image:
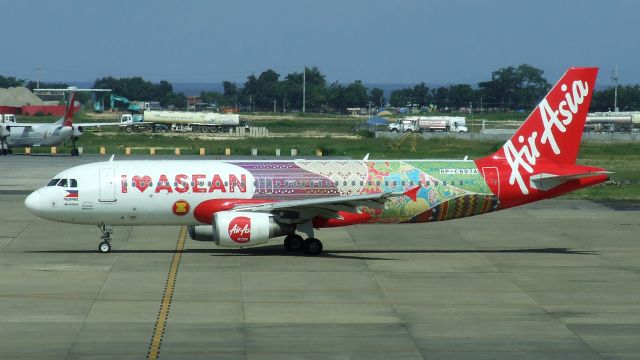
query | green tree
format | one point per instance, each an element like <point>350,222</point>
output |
<point>377,97</point>
<point>418,95</point>
<point>7,82</point>
<point>521,87</point>
<point>628,99</point>
<point>262,90</point>
<point>316,95</point>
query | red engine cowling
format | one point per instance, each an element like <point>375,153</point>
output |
<point>240,229</point>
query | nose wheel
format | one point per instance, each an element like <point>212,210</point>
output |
<point>105,246</point>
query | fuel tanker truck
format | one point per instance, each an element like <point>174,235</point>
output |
<point>180,121</point>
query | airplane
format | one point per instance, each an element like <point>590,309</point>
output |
<point>14,134</point>
<point>245,203</point>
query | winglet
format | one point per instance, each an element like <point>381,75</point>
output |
<point>366,157</point>
<point>413,193</point>
<point>111,158</point>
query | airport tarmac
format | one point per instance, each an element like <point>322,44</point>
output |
<point>559,279</point>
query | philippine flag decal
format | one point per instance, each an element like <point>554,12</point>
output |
<point>71,195</point>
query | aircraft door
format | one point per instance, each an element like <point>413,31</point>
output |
<point>268,185</point>
<point>107,185</point>
<point>492,178</point>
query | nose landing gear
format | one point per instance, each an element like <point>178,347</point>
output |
<point>105,246</point>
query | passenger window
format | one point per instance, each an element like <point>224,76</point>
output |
<point>62,183</point>
<point>378,183</point>
<point>53,182</point>
<point>444,183</point>
<point>428,183</point>
<point>403,182</point>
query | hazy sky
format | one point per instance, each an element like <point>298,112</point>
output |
<point>376,41</point>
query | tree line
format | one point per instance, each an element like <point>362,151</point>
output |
<point>510,88</point>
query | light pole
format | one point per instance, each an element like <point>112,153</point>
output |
<point>614,77</point>
<point>304,89</point>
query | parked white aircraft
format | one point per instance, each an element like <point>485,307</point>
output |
<point>14,134</point>
<point>245,203</point>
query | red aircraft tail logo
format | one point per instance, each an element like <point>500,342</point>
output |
<point>240,229</point>
<point>551,134</point>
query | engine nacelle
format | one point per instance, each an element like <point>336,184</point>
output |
<point>240,229</point>
<point>77,130</point>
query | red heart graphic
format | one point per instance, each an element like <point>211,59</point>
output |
<point>142,182</point>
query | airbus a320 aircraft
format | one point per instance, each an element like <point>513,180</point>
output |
<point>246,203</point>
<point>14,134</point>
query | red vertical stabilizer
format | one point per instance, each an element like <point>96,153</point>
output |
<point>547,143</point>
<point>68,114</point>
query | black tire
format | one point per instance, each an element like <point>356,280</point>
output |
<point>128,129</point>
<point>394,130</point>
<point>104,247</point>
<point>312,246</point>
<point>293,242</point>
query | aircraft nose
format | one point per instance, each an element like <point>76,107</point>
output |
<point>33,202</point>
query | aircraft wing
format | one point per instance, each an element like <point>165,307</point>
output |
<point>18,126</point>
<point>5,130</point>
<point>327,207</point>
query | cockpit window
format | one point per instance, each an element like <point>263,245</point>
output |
<point>53,182</point>
<point>62,183</point>
<point>73,183</point>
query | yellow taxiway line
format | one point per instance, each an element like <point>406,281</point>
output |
<point>167,297</point>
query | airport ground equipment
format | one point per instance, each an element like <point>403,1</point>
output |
<point>430,124</point>
<point>180,121</point>
<point>612,121</point>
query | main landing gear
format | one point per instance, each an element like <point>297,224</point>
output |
<point>74,150</point>
<point>105,245</point>
<point>310,246</point>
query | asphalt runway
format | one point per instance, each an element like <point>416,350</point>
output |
<point>559,279</point>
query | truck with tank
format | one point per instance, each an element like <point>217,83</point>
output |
<point>612,122</point>
<point>180,121</point>
<point>430,124</point>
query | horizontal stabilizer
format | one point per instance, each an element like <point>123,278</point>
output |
<point>546,182</point>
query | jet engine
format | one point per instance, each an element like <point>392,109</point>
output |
<point>77,131</point>
<point>240,229</point>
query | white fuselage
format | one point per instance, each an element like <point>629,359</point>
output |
<point>36,134</point>
<point>139,192</point>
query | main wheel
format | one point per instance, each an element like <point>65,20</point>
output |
<point>104,247</point>
<point>312,246</point>
<point>293,242</point>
